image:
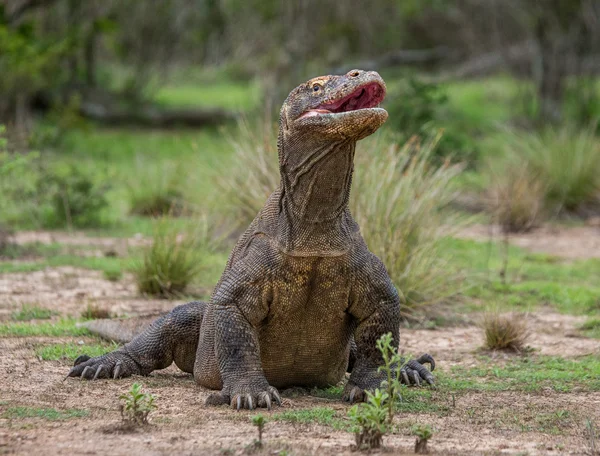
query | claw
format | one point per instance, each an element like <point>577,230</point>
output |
<point>276,396</point>
<point>239,402</point>
<point>249,402</point>
<point>352,394</point>
<point>81,359</point>
<point>117,371</point>
<point>427,358</point>
<point>98,371</point>
<point>268,401</point>
<point>405,376</point>
<point>417,378</point>
<point>84,373</point>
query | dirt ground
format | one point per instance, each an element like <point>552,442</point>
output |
<point>478,423</point>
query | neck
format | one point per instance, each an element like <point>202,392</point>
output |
<point>316,177</point>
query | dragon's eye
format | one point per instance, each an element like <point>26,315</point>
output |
<point>316,87</point>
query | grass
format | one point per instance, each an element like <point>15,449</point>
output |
<point>62,327</point>
<point>30,312</point>
<point>504,331</point>
<point>324,416</point>
<point>69,351</point>
<point>173,260</point>
<point>49,414</point>
<point>591,328</point>
<point>532,280</point>
<point>571,180</point>
<point>397,200</point>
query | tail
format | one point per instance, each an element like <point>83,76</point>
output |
<point>118,330</point>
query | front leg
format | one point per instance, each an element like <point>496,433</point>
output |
<point>240,305</point>
<point>376,307</point>
<point>238,355</point>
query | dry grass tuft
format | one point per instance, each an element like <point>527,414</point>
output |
<point>254,173</point>
<point>398,200</point>
<point>174,259</point>
<point>516,197</point>
<point>504,331</point>
<point>94,312</point>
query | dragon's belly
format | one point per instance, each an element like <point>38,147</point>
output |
<point>305,339</point>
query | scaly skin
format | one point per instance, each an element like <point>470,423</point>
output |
<point>301,298</point>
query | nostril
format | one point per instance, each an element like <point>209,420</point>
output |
<point>354,73</point>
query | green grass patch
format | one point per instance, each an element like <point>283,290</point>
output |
<point>70,351</point>
<point>49,414</point>
<point>591,328</point>
<point>331,392</point>
<point>531,279</point>
<point>62,327</point>
<point>319,415</point>
<point>29,312</point>
<point>527,374</point>
<point>239,96</point>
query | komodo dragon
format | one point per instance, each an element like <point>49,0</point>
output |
<point>302,300</point>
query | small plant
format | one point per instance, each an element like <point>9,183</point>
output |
<point>374,418</point>
<point>137,405</point>
<point>504,332</point>
<point>173,259</point>
<point>423,432</point>
<point>259,421</point>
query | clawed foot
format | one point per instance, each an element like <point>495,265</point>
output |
<point>414,373</point>
<point>411,373</point>
<point>246,398</point>
<point>107,366</point>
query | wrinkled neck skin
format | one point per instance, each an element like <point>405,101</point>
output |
<point>316,176</point>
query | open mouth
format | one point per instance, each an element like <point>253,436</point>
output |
<point>364,97</point>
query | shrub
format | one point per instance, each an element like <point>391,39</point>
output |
<point>516,197</point>
<point>156,190</point>
<point>566,161</point>
<point>173,259</point>
<point>398,200</point>
<point>504,332</point>
<point>137,405</point>
<point>259,421</point>
<point>415,107</point>
<point>49,195</point>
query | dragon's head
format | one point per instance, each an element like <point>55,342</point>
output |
<point>336,107</point>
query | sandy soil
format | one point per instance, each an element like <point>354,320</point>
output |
<point>572,242</point>
<point>478,423</point>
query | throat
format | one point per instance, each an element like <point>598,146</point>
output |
<point>315,190</point>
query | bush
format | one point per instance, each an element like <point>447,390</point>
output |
<point>398,200</point>
<point>156,190</point>
<point>516,197</point>
<point>415,108</point>
<point>51,196</point>
<point>567,163</point>
<point>173,259</point>
<point>504,332</point>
